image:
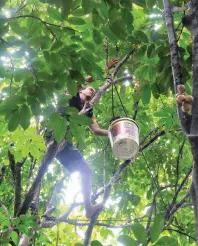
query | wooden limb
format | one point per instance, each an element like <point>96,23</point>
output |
<point>120,64</point>
<point>175,62</point>
<point>2,172</point>
<point>48,157</point>
<point>16,174</point>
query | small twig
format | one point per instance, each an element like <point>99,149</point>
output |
<point>180,232</point>
<point>178,161</point>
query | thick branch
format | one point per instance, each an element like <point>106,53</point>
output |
<point>2,172</point>
<point>49,156</point>
<point>176,68</point>
<point>16,174</point>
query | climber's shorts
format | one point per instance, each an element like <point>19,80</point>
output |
<point>71,158</point>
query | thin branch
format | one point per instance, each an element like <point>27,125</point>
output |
<point>178,161</point>
<point>180,232</point>
<point>124,78</point>
<point>153,205</point>
<point>153,139</point>
<point>181,9</point>
<point>135,107</point>
<point>120,64</point>
<point>173,206</point>
<point>37,18</point>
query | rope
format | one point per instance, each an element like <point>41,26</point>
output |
<point>113,85</point>
<point>125,111</point>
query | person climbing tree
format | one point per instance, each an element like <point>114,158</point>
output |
<point>70,157</point>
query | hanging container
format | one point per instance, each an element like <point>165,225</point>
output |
<point>124,138</point>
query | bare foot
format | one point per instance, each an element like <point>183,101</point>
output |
<point>93,210</point>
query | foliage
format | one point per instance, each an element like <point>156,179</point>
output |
<point>47,47</point>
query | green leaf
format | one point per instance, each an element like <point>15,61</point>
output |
<point>76,21</point>
<point>56,45</point>
<point>96,18</point>
<point>118,29</point>
<point>147,95</point>
<point>150,3</point>
<point>71,111</point>
<point>79,244</point>
<point>150,50</point>
<point>109,34</point>
<point>34,151</point>
<point>25,116</point>
<point>102,10</point>
<point>14,236</point>
<point>58,124</point>
<point>135,200</point>
<point>167,241</point>
<point>87,66</point>
<point>72,87</point>
<point>35,105</point>
<point>139,233</point>
<point>141,36</point>
<point>96,243</point>
<point>60,130</point>
<point>97,37</point>
<point>66,8</point>
<point>13,121</point>
<point>77,132</point>
<point>157,227</point>
<point>89,46</point>
<point>127,241</point>
<point>81,120</point>
<point>54,14</point>
<point>53,119</point>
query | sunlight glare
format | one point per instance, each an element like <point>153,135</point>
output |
<point>127,83</point>
<point>73,189</point>
<point>157,27</point>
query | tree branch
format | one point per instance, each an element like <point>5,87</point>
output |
<point>48,157</point>
<point>181,9</point>
<point>176,68</point>
<point>178,161</point>
<point>47,24</point>
<point>152,140</point>
<point>180,232</point>
<point>2,172</point>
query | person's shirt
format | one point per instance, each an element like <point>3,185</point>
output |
<point>76,102</point>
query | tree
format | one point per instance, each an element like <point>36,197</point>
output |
<point>46,47</point>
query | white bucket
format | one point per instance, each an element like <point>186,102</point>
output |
<point>124,138</point>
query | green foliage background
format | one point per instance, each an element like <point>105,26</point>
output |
<point>46,47</point>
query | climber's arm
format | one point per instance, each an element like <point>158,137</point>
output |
<point>95,128</point>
